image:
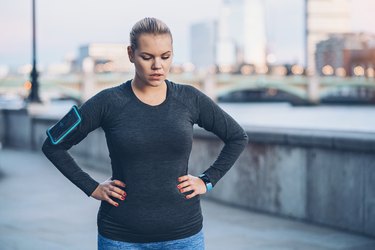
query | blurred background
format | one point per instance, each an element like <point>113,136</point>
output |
<point>257,51</point>
<point>298,75</point>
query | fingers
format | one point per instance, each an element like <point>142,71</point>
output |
<point>112,202</point>
<point>103,193</point>
<point>191,195</point>
<point>118,183</point>
<point>113,191</point>
<point>183,178</point>
<point>117,190</point>
<point>116,195</point>
<point>183,184</point>
<point>186,189</point>
<point>191,183</point>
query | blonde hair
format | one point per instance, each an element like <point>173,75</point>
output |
<point>147,25</point>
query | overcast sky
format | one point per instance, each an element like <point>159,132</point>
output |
<point>65,25</point>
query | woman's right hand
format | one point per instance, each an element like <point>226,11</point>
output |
<point>108,189</point>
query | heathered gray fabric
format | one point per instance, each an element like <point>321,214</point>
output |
<point>149,148</point>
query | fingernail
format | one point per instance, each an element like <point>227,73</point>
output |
<point>116,204</point>
<point>122,198</point>
<point>178,186</point>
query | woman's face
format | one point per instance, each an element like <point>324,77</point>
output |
<point>152,59</point>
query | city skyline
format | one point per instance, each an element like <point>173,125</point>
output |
<point>59,36</point>
<point>241,33</point>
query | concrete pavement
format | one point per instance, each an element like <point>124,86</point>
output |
<point>41,209</point>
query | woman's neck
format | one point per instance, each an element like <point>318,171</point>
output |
<point>152,95</point>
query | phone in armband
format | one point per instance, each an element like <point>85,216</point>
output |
<point>62,128</point>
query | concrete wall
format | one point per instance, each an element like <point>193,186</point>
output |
<point>2,129</point>
<point>329,180</point>
<point>323,177</point>
<point>17,128</point>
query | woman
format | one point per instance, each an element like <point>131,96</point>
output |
<point>151,200</point>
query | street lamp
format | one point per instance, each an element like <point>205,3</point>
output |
<point>34,95</point>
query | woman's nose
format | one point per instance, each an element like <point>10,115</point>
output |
<point>156,64</point>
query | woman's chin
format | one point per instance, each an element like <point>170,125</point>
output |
<point>156,83</point>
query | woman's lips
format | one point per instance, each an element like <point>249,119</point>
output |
<point>156,76</point>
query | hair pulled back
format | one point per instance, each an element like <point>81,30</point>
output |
<point>147,25</point>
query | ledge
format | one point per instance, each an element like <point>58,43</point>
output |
<point>341,140</point>
<point>318,138</point>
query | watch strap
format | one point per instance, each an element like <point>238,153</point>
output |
<point>206,181</point>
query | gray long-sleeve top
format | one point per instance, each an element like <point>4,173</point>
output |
<point>149,147</point>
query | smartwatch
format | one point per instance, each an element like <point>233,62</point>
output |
<point>206,181</point>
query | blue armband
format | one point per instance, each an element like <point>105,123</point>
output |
<point>65,126</point>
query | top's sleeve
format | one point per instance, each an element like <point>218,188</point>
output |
<point>212,118</point>
<point>92,113</point>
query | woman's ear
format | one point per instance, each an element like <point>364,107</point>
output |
<point>130,54</point>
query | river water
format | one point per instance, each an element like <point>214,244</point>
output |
<point>328,117</point>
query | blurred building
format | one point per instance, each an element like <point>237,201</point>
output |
<point>203,37</point>
<point>59,68</point>
<point>106,57</point>
<point>324,17</point>
<point>241,34</point>
<point>4,71</point>
<point>350,54</point>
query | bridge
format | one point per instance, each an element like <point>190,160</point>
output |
<point>302,87</point>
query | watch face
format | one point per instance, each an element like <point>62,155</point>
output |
<point>209,186</point>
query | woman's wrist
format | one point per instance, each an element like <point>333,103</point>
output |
<point>206,181</point>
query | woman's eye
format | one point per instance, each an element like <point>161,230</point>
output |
<point>146,58</point>
<point>165,57</point>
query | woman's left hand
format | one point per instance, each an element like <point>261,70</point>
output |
<point>191,183</point>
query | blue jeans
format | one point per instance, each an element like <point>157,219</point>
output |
<point>194,242</point>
